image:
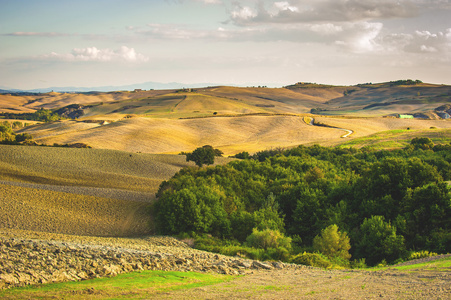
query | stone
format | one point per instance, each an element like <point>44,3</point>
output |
<point>9,279</point>
<point>259,265</point>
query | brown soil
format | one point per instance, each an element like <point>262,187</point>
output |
<point>324,284</point>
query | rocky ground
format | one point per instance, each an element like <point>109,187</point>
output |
<point>28,257</point>
<point>31,258</point>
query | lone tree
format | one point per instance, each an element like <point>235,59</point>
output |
<point>204,155</point>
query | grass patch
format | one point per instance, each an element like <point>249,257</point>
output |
<point>397,139</point>
<point>443,264</point>
<point>136,285</point>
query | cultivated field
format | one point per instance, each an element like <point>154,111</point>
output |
<point>81,191</point>
<point>230,134</point>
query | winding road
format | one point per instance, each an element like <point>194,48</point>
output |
<point>348,131</point>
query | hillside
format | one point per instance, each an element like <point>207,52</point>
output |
<point>233,119</point>
<point>81,191</point>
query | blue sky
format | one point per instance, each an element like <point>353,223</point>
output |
<point>47,43</point>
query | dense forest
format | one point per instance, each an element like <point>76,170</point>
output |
<point>386,203</point>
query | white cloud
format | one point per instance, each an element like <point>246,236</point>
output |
<point>124,54</point>
<point>243,13</point>
<point>210,1</point>
<point>421,41</point>
<point>302,11</point>
<point>350,36</point>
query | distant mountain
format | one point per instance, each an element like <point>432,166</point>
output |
<point>150,85</point>
<point>144,86</point>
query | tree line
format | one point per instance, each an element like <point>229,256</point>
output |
<point>386,203</point>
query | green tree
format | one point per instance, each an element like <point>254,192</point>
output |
<point>6,134</point>
<point>423,143</point>
<point>204,155</point>
<point>23,137</point>
<point>378,241</point>
<point>333,243</point>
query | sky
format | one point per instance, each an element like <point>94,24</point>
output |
<point>85,43</point>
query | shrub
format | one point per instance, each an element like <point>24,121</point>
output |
<point>333,243</point>
<point>312,259</point>
<point>242,155</point>
<point>358,264</point>
<point>421,254</point>
<point>23,137</point>
<point>268,239</point>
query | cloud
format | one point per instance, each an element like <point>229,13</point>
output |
<point>38,34</point>
<point>421,41</point>
<point>210,1</point>
<point>434,4</point>
<point>354,37</point>
<point>202,1</point>
<point>303,11</point>
<point>123,54</point>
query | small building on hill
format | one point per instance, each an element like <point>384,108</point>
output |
<point>405,116</point>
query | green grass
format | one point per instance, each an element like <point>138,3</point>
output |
<point>136,285</point>
<point>397,139</point>
<point>443,264</point>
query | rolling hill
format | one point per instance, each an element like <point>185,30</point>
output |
<point>81,191</point>
<point>233,119</point>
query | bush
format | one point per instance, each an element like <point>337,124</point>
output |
<point>333,243</point>
<point>312,259</point>
<point>358,264</point>
<point>23,137</point>
<point>268,239</point>
<point>242,155</point>
<point>421,254</point>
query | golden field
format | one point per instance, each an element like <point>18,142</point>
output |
<point>81,191</point>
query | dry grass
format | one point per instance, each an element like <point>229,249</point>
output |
<point>88,167</point>
<point>81,191</point>
<point>366,126</point>
<point>231,134</point>
<point>49,211</point>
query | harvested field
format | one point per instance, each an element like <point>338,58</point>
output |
<point>49,211</point>
<point>367,126</point>
<point>139,172</point>
<point>81,191</point>
<point>230,134</point>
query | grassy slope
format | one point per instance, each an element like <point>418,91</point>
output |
<point>87,167</point>
<point>61,198</point>
<point>58,212</point>
<point>136,285</point>
<point>392,139</point>
<point>230,134</point>
<point>402,99</point>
